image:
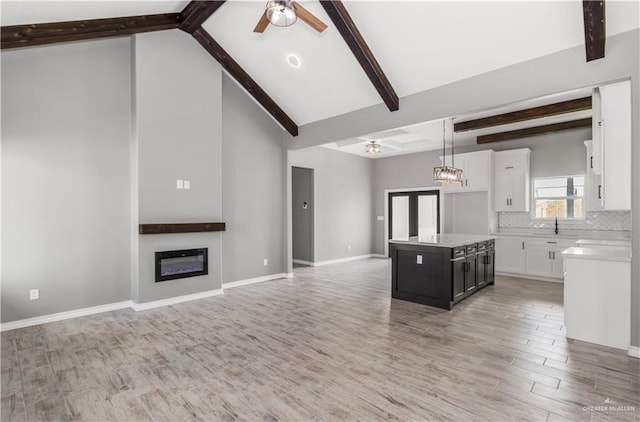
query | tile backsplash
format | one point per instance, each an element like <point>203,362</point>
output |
<point>596,220</point>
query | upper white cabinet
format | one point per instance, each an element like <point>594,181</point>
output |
<point>593,190</point>
<point>512,180</point>
<point>612,144</point>
<point>477,171</point>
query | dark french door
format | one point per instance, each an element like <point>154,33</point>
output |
<point>414,214</point>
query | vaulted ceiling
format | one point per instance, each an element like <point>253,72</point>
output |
<point>418,44</point>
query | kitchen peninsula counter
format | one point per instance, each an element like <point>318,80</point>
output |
<point>443,269</point>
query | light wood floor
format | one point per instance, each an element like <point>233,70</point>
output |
<point>330,345</point>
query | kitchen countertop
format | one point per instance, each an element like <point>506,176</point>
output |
<point>598,253</point>
<point>445,240</point>
<point>580,235</point>
<point>604,242</point>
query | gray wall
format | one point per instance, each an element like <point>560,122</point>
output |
<point>254,193</point>
<point>551,155</point>
<point>178,106</point>
<point>342,202</point>
<point>65,176</point>
<point>302,217</point>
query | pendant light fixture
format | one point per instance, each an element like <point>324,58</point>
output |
<point>281,12</point>
<point>444,173</point>
<point>372,148</point>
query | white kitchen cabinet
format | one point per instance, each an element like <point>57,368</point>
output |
<point>612,144</point>
<point>477,171</point>
<point>544,257</point>
<point>593,189</point>
<point>510,255</point>
<point>512,180</point>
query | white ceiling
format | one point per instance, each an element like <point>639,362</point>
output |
<point>419,44</point>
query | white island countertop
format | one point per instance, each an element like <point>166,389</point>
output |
<point>445,240</point>
<point>598,253</point>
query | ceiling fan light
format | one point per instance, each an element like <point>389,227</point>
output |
<point>281,12</point>
<point>372,148</point>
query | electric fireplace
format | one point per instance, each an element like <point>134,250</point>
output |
<point>171,265</point>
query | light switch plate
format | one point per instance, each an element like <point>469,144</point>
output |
<point>187,184</point>
<point>34,294</point>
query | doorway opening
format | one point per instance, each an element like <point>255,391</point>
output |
<point>302,213</point>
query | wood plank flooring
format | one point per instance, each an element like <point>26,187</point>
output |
<point>329,345</point>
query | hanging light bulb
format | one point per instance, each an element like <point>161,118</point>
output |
<point>444,173</point>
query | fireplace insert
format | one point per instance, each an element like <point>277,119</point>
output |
<point>171,265</point>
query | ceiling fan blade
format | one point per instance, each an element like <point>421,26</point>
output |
<point>308,18</point>
<point>262,23</point>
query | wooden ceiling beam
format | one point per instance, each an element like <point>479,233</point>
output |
<point>347,28</point>
<point>234,69</point>
<point>593,14</point>
<point>570,106</point>
<point>533,131</point>
<point>196,12</point>
<point>56,32</point>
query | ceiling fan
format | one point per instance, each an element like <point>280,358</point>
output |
<point>285,13</point>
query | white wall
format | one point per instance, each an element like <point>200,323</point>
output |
<point>65,176</point>
<point>178,106</point>
<point>342,202</point>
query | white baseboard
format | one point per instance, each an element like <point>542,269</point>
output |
<point>60,316</point>
<point>531,277</point>
<point>379,255</point>
<point>238,283</point>
<point>634,351</point>
<point>302,262</point>
<point>173,300</point>
<point>289,275</point>
<point>339,260</point>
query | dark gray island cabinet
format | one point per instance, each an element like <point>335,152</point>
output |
<point>441,270</point>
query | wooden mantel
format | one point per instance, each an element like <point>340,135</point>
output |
<point>166,228</point>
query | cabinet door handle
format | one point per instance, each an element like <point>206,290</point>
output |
<point>591,161</point>
<point>508,167</point>
<point>549,254</point>
<point>466,182</point>
<point>554,255</point>
<point>599,191</point>
<point>523,246</point>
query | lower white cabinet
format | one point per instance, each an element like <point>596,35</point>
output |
<point>510,255</point>
<point>534,257</point>
<point>544,260</point>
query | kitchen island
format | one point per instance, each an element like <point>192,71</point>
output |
<point>441,270</point>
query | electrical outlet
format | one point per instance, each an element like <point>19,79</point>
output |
<point>34,294</point>
<point>266,262</point>
<point>187,184</point>
<point>381,218</point>
<point>179,184</point>
<point>349,247</point>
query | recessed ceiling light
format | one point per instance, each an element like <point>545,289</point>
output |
<point>293,60</point>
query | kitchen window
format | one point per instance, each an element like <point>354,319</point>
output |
<point>560,196</point>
